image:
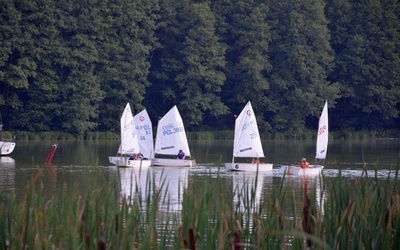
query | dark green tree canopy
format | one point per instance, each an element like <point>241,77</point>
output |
<point>72,65</point>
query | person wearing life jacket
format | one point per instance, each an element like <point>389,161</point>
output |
<point>304,163</point>
<point>138,156</point>
<point>180,155</point>
<point>255,160</point>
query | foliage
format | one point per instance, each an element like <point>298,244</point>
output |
<point>71,65</point>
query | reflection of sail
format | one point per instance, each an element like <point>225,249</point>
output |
<point>173,181</point>
<point>7,176</point>
<point>170,182</point>
<point>133,182</point>
<point>312,186</point>
<point>247,189</point>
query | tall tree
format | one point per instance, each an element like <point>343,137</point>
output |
<point>38,38</point>
<point>368,64</point>
<point>79,25</point>
<point>167,60</point>
<point>127,41</point>
<point>301,58</point>
<point>202,74</point>
<point>14,68</point>
<point>248,36</point>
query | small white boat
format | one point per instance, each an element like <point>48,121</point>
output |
<point>247,143</point>
<point>321,148</point>
<point>6,147</point>
<point>170,138</point>
<point>129,144</point>
<point>311,170</point>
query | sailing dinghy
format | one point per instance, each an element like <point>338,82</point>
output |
<point>321,148</point>
<point>6,147</point>
<point>247,143</point>
<point>129,143</point>
<point>170,138</point>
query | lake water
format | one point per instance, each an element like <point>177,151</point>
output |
<point>75,161</point>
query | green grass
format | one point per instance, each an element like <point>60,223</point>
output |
<point>364,216</point>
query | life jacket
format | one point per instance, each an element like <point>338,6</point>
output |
<point>304,164</point>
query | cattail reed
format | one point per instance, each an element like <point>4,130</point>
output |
<point>360,214</point>
<point>192,239</point>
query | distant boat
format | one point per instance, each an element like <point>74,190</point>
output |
<point>6,147</point>
<point>321,148</point>
<point>129,146</point>
<point>170,138</point>
<point>247,143</point>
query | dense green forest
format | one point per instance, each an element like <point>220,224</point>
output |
<point>71,65</point>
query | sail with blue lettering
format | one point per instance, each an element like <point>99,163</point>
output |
<point>144,130</point>
<point>171,135</point>
<point>247,141</point>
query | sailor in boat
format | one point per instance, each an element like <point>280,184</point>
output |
<point>304,163</point>
<point>255,160</point>
<point>180,155</point>
<point>138,156</point>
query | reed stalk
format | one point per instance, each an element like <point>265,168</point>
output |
<point>365,214</point>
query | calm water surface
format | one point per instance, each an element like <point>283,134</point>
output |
<point>75,161</point>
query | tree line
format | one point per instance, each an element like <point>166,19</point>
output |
<point>72,65</point>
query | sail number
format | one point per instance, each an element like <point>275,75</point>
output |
<point>253,135</point>
<point>248,124</point>
<point>171,129</point>
<point>322,130</point>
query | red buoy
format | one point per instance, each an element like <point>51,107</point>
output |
<point>51,153</point>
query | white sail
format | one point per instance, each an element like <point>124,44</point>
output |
<point>247,142</point>
<point>323,134</point>
<point>129,140</point>
<point>171,135</point>
<point>144,129</point>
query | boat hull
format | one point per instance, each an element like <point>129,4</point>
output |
<point>6,148</point>
<point>124,161</point>
<point>310,171</point>
<point>248,167</point>
<point>173,162</point>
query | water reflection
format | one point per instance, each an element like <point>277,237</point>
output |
<point>134,182</point>
<point>168,182</point>
<point>7,176</point>
<point>75,161</point>
<point>247,190</point>
<point>305,189</point>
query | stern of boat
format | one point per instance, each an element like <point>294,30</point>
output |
<point>6,148</point>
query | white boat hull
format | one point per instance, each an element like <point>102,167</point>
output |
<point>248,167</point>
<point>173,162</point>
<point>310,171</point>
<point>124,161</point>
<point>6,147</point>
